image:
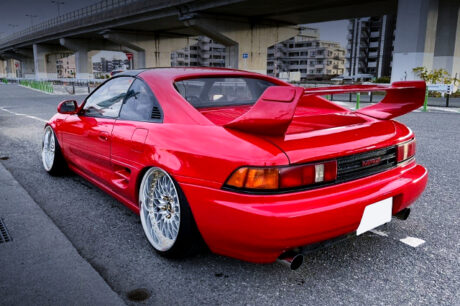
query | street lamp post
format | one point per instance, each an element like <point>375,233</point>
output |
<point>58,5</point>
<point>31,18</point>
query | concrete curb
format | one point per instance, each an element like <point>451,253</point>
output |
<point>40,266</point>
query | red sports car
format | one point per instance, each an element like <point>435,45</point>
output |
<point>252,165</point>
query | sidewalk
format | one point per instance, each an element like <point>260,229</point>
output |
<point>40,266</point>
<point>431,109</point>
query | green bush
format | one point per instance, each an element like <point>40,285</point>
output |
<point>383,79</point>
<point>40,85</point>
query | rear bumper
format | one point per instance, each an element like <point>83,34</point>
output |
<point>259,228</point>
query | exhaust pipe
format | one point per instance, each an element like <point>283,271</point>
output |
<point>293,261</point>
<point>403,214</point>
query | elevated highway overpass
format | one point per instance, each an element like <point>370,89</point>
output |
<point>427,31</point>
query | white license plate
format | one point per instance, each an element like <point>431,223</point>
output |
<point>375,215</point>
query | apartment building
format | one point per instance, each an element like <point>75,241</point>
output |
<point>104,66</point>
<point>370,45</point>
<point>315,59</point>
<point>65,65</point>
<point>205,52</point>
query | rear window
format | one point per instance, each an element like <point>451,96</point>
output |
<point>215,92</point>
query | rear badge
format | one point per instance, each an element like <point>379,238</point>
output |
<point>371,162</point>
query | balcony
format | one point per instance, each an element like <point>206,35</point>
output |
<point>373,54</point>
<point>372,64</point>
<point>375,34</point>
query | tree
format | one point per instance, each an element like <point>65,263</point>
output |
<point>435,76</point>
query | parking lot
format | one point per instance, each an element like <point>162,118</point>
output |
<point>375,268</point>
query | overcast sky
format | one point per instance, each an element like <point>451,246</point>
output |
<point>13,17</point>
<point>13,12</point>
<point>333,31</point>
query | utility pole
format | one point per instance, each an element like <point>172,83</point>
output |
<point>58,5</point>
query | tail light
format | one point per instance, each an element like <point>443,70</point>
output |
<point>406,150</point>
<point>280,178</point>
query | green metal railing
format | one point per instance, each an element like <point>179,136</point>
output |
<point>39,85</point>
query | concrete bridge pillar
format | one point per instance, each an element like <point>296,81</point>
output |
<point>129,42</point>
<point>11,70</point>
<point>246,43</point>
<point>27,68</point>
<point>447,48</point>
<point>83,67</point>
<point>159,51</point>
<point>2,67</point>
<point>83,48</point>
<point>26,57</point>
<point>148,50</point>
<point>45,57</point>
<point>415,37</point>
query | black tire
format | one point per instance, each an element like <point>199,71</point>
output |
<point>57,165</point>
<point>188,241</point>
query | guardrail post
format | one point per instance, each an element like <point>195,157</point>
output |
<point>349,97</point>
<point>447,100</point>
<point>358,97</point>
<point>426,100</point>
<point>371,95</point>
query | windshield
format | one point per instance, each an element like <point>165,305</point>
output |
<point>216,92</point>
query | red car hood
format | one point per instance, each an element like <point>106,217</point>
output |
<point>331,135</point>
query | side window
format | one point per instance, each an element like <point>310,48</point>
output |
<point>140,104</point>
<point>106,100</point>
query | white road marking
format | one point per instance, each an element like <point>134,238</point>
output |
<point>380,233</point>
<point>412,241</point>
<point>20,114</point>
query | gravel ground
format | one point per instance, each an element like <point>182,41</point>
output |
<point>369,269</point>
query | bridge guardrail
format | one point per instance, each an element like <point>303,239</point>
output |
<point>88,11</point>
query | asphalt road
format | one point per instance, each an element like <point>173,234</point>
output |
<point>369,269</point>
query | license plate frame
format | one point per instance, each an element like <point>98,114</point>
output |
<point>375,215</point>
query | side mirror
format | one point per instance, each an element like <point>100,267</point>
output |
<point>69,107</point>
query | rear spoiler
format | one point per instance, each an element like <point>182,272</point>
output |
<point>273,112</point>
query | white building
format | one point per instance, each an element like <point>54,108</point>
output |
<point>205,52</point>
<point>306,54</point>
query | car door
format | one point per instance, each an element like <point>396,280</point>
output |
<point>87,135</point>
<point>139,115</point>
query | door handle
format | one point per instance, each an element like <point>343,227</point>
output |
<point>103,137</point>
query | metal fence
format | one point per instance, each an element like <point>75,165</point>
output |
<point>57,86</point>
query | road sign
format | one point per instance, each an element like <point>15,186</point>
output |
<point>443,88</point>
<point>245,55</point>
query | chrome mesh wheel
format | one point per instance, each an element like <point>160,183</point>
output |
<point>159,209</point>
<point>48,148</point>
